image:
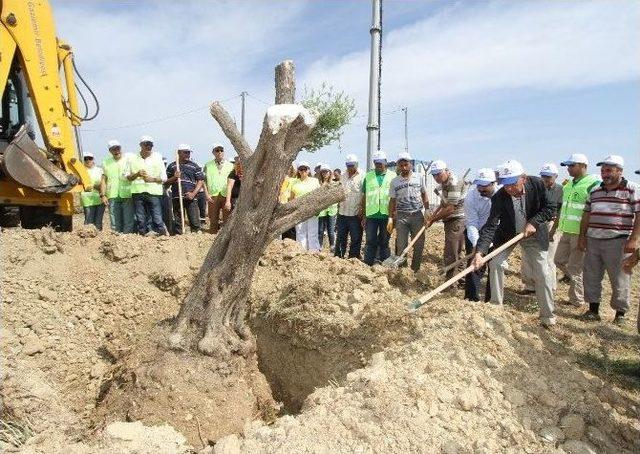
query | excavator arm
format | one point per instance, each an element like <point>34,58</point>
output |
<point>31,60</point>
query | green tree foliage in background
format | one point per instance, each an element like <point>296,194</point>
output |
<point>333,111</point>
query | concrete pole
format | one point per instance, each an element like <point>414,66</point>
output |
<point>406,130</point>
<point>373,124</point>
<point>243,95</point>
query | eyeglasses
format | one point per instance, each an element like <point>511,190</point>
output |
<point>218,150</point>
<point>147,144</point>
<point>303,169</point>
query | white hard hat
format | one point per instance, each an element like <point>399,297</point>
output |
<point>612,160</point>
<point>510,172</point>
<point>576,158</point>
<point>484,177</point>
<point>437,166</point>
<point>404,157</point>
<point>146,139</point>
<point>548,170</point>
<point>184,147</point>
<point>325,167</point>
<point>303,164</point>
<point>217,145</point>
<point>113,143</point>
<point>379,156</point>
<point>87,154</point>
<point>351,159</point>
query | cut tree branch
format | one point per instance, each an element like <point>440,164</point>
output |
<point>289,214</point>
<point>285,83</point>
<point>230,130</point>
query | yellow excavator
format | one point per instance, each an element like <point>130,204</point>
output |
<point>37,182</point>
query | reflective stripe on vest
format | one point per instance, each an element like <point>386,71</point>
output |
<point>377,196</point>
<point>217,179</point>
<point>153,168</point>
<point>117,185</point>
<point>92,198</point>
<point>574,197</point>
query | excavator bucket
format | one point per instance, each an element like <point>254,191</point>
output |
<point>24,162</point>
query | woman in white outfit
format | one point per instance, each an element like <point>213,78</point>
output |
<point>306,231</point>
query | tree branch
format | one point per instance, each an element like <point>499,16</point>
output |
<point>230,130</point>
<point>285,83</point>
<point>289,214</point>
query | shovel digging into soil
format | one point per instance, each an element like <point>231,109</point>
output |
<point>423,299</point>
<point>394,261</point>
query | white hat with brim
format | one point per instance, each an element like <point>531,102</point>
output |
<point>485,177</point>
<point>184,147</point>
<point>303,164</point>
<point>379,157</point>
<point>144,139</point>
<point>576,158</point>
<point>549,170</point>
<point>351,160</point>
<point>612,160</point>
<point>437,167</point>
<point>325,167</point>
<point>113,144</point>
<point>404,157</point>
<point>216,146</point>
<point>87,155</point>
<point>510,172</point>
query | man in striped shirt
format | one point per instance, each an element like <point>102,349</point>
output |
<point>191,180</point>
<point>609,231</point>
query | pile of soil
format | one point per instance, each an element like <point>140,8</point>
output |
<point>355,370</point>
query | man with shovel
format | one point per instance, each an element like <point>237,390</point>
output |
<point>407,201</point>
<point>186,180</point>
<point>521,205</point>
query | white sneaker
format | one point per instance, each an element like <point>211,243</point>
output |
<point>547,322</point>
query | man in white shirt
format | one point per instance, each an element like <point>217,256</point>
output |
<point>477,205</point>
<point>350,214</point>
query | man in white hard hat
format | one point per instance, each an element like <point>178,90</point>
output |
<point>191,179</point>
<point>407,202</point>
<point>450,211</point>
<point>146,172</point>
<point>348,223</point>
<point>575,192</point>
<point>609,232</point>
<point>115,190</point>
<point>217,173</point>
<point>548,175</point>
<point>520,206</point>
<point>92,204</point>
<point>477,205</point>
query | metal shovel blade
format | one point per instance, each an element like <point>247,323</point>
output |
<point>415,304</point>
<point>393,261</point>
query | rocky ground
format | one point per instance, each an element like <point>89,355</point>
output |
<point>355,370</point>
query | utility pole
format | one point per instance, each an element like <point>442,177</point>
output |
<point>406,131</point>
<point>373,124</point>
<point>243,95</point>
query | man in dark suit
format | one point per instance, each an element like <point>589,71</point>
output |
<point>521,205</point>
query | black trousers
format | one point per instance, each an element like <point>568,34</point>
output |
<point>473,280</point>
<point>193,214</point>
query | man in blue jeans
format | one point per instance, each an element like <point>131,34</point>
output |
<point>348,223</point>
<point>146,172</point>
<point>375,206</point>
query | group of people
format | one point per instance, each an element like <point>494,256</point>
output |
<point>145,195</point>
<point>584,227</point>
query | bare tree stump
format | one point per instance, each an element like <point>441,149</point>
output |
<point>215,307</point>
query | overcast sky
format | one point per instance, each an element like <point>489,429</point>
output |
<point>483,81</point>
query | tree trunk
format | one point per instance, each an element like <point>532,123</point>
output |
<point>215,308</point>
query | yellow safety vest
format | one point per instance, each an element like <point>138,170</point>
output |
<point>153,167</point>
<point>117,185</point>
<point>92,198</point>
<point>217,179</point>
<point>377,195</point>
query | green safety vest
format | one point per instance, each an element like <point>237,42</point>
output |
<point>153,168</point>
<point>117,185</point>
<point>92,198</point>
<point>574,196</point>
<point>301,188</point>
<point>377,196</point>
<point>217,179</point>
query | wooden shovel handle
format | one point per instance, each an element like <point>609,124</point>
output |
<point>423,299</point>
<point>413,241</point>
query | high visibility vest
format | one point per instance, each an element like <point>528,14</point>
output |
<point>117,185</point>
<point>217,179</point>
<point>153,167</point>
<point>377,195</point>
<point>92,198</point>
<point>301,188</point>
<point>574,196</point>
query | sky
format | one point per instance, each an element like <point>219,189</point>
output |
<point>482,81</point>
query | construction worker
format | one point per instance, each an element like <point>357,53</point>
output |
<point>548,175</point>
<point>627,266</point>
<point>146,172</point>
<point>407,201</point>
<point>92,204</point>
<point>451,212</point>
<point>609,230</point>
<point>327,217</point>
<point>191,181</point>
<point>477,205</point>
<point>115,190</point>
<point>285,195</point>
<point>348,223</point>
<point>216,173</point>
<point>306,231</point>
<point>568,257</point>
<point>521,205</point>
